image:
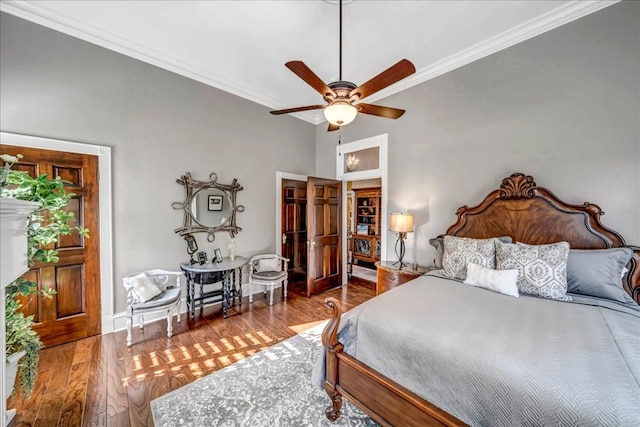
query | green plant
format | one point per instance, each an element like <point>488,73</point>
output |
<point>20,336</point>
<point>44,227</point>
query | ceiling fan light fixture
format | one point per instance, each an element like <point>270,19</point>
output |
<point>340,113</point>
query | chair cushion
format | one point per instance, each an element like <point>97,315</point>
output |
<point>143,287</point>
<point>167,297</point>
<point>270,275</point>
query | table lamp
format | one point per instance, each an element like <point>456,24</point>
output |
<point>401,223</point>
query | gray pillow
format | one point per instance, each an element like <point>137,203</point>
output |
<point>438,243</point>
<point>598,273</point>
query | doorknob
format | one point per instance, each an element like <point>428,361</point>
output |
<point>284,238</point>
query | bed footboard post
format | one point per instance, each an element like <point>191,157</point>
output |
<point>333,347</point>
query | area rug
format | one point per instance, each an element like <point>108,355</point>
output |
<point>270,388</point>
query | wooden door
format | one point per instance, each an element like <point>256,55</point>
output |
<point>74,311</point>
<point>324,249</point>
<point>294,231</point>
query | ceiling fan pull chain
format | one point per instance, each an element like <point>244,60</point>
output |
<point>340,61</point>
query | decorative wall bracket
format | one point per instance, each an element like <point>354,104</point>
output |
<point>192,224</point>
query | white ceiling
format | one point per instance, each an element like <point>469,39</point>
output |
<point>241,46</point>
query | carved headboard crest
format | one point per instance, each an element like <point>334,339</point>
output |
<point>517,186</point>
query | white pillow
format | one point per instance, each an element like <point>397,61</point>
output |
<point>143,287</point>
<point>270,264</point>
<point>501,281</point>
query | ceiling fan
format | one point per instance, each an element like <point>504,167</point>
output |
<point>343,97</point>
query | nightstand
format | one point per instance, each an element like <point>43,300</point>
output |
<point>389,275</point>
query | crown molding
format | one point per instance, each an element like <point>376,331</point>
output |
<point>557,17</point>
<point>534,27</point>
<point>47,18</point>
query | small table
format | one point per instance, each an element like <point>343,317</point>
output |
<point>390,275</point>
<point>213,272</point>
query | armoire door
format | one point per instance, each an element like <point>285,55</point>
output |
<point>324,242</point>
<point>74,311</point>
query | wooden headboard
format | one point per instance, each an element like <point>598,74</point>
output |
<point>534,215</point>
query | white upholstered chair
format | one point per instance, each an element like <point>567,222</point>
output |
<point>150,291</point>
<point>268,270</point>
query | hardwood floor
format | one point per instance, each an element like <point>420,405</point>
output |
<point>99,381</point>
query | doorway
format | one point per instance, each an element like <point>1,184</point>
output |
<point>364,230</point>
<point>73,312</point>
<point>294,231</point>
<point>103,154</point>
<point>363,164</point>
<point>309,226</point>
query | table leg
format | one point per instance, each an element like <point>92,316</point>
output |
<point>225,293</point>
<point>201,301</point>
<point>240,286</point>
<point>190,296</point>
<point>234,292</point>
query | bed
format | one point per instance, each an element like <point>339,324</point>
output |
<point>485,358</point>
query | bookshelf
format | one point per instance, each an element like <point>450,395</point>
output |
<point>366,243</point>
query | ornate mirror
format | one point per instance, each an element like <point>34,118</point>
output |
<point>209,207</point>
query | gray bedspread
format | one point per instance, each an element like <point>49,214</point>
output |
<point>494,360</point>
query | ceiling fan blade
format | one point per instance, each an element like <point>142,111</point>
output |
<point>332,127</point>
<point>391,75</point>
<point>296,109</point>
<point>379,110</point>
<point>305,73</point>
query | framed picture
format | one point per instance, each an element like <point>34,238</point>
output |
<point>217,253</point>
<point>362,229</point>
<point>202,257</point>
<point>215,202</point>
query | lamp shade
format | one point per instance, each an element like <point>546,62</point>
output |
<point>340,113</point>
<point>401,222</point>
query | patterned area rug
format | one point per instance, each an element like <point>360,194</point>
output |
<point>270,388</point>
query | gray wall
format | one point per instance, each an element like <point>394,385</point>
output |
<point>563,107</point>
<point>160,126</point>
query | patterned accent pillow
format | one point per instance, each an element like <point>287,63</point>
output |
<point>460,251</point>
<point>438,243</point>
<point>542,269</point>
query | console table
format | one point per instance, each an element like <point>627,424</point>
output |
<point>228,272</point>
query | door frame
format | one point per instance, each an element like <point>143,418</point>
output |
<point>341,151</point>
<point>105,210</point>
<point>279,177</point>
